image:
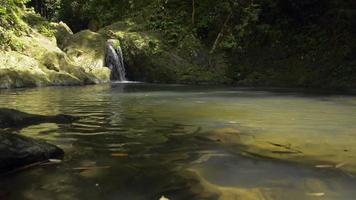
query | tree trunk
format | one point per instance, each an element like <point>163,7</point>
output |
<point>221,33</point>
<point>193,12</point>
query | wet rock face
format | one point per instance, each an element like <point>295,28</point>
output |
<point>17,151</point>
<point>10,118</point>
<point>114,60</point>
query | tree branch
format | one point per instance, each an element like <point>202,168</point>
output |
<point>221,33</point>
<point>193,12</point>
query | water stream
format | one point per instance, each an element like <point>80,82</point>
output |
<point>142,141</point>
<point>115,62</point>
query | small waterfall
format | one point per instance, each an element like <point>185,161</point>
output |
<point>115,62</point>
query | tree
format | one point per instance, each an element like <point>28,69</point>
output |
<point>193,12</point>
<point>46,8</point>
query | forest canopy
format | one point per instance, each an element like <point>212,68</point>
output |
<point>305,42</point>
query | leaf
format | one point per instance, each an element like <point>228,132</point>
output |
<point>340,165</point>
<point>55,161</point>
<point>163,198</point>
<point>94,167</point>
<point>316,194</point>
<point>119,154</point>
<point>52,162</point>
<point>2,11</point>
<point>324,166</point>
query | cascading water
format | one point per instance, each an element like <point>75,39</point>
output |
<point>115,62</point>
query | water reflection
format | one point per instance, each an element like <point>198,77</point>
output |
<point>139,141</point>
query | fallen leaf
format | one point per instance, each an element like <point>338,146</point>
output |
<point>324,166</point>
<point>120,154</point>
<point>55,161</point>
<point>163,198</point>
<point>52,162</point>
<point>316,194</point>
<point>340,165</point>
<point>94,167</point>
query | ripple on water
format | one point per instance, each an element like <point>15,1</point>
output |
<point>153,130</point>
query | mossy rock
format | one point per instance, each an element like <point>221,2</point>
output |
<point>63,34</point>
<point>149,58</point>
<point>81,58</point>
<point>18,70</point>
<point>42,63</point>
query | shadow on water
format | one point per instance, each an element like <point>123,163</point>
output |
<point>139,141</point>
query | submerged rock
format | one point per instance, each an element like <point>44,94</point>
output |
<point>11,118</point>
<point>17,151</point>
<point>222,135</point>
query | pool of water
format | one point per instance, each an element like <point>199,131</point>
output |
<point>144,141</point>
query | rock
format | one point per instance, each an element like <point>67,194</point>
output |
<point>38,61</point>
<point>76,59</point>
<point>18,70</point>
<point>149,59</point>
<point>63,34</point>
<point>223,135</point>
<point>87,49</point>
<point>10,118</point>
<point>93,25</point>
<point>114,43</point>
<point>17,151</point>
<point>60,65</point>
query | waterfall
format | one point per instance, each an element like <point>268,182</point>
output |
<point>115,62</point>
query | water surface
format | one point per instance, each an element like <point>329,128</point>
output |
<point>142,141</point>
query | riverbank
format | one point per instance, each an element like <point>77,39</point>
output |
<point>35,52</point>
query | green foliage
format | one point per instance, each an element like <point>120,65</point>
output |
<point>39,23</point>
<point>80,13</point>
<point>172,28</point>
<point>304,42</point>
<point>46,8</point>
<point>10,22</point>
<point>46,30</point>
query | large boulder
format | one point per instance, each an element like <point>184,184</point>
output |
<point>87,49</point>
<point>53,58</point>
<point>63,34</point>
<point>38,61</point>
<point>10,118</point>
<point>17,151</point>
<point>18,70</point>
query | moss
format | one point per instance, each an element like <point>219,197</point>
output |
<point>42,63</point>
<point>11,78</point>
<point>63,34</point>
<point>81,56</point>
<point>151,59</point>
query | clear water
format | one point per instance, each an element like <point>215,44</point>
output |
<point>141,141</point>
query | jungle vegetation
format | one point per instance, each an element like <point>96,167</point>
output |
<point>304,43</point>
